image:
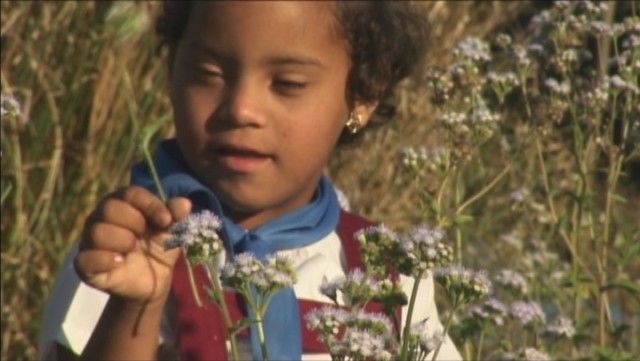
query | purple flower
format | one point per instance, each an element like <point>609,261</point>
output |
<point>561,327</point>
<point>512,280</point>
<point>527,312</point>
<point>197,233</point>
<point>463,283</point>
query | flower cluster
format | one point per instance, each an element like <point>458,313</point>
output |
<point>353,335</point>
<point>268,277</point>
<point>9,106</point>
<point>528,313</point>
<point>492,310</point>
<point>462,284</point>
<point>357,288</point>
<point>425,248</point>
<point>512,281</point>
<point>418,158</point>
<point>379,246</point>
<point>561,327</point>
<point>197,234</point>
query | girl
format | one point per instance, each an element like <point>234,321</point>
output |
<point>261,93</point>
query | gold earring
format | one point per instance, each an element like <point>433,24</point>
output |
<point>354,123</point>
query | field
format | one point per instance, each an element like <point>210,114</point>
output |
<point>543,192</point>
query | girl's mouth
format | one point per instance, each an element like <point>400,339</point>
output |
<point>240,159</point>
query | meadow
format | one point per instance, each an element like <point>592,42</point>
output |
<point>519,137</point>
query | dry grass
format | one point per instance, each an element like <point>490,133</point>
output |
<point>88,80</point>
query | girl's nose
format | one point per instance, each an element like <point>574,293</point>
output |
<point>245,103</point>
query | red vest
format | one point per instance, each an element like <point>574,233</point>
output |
<point>201,331</point>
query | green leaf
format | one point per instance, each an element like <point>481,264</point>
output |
<point>625,285</point>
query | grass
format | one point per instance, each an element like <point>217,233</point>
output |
<point>89,76</point>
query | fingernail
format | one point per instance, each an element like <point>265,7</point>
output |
<point>118,258</point>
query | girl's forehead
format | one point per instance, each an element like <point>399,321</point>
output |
<point>287,20</point>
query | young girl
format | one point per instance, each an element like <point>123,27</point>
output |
<point>262,92</point>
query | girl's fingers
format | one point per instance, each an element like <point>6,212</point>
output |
<point>109,237</point>
<point>120,213</point>
<point>90,263</point>
<point>179,207</point>
<point>151,207</point>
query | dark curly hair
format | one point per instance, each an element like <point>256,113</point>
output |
<point>386,39</point>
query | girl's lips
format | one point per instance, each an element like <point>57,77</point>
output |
<point>241,160</point>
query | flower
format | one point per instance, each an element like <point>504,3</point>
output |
<point>378,323</point>
<point>556,87</point>
<point>197,233</point>
<point>363,344</point>
<point>9,106</point>
<point>527,312</point>
<point>519,195</point>
<point>379,246</point>
<point>473,49</point>
<point>492,310</point>
<point>428,338</point>
<point>326,320</point>
<point>532,354</point>
<point>512,280</point>
<point>463,284</point>
<point>275,273</point>
<point>562,326</point>
<point>425,249</point>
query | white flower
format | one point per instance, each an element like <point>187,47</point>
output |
<point>197,233</point>
<point>512,280</point>
<point>527,312</point>
<point>561,327</point>
<point>9,106</point>
<point>474,49</point>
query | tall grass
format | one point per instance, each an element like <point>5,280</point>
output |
<point>88,77</point>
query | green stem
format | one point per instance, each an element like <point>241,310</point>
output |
<point>446,330</point>
<point>263,344</point>
<point>480,342</point>
<point>154,174</point>
<point>218,290</point>
<point>407,323</point>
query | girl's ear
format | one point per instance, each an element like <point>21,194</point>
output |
<point>365,111</point>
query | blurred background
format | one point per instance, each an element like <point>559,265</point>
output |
<point>88,76</point>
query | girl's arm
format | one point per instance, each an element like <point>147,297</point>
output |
<point>126,331</point>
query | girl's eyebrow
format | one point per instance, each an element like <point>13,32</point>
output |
<point>285,59</point>
<point>295,60</point>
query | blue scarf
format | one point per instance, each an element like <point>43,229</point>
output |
<point>298,228</point>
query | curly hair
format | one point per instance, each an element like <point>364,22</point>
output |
<point>386,40</point>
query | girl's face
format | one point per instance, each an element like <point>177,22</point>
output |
<point>258,91</point>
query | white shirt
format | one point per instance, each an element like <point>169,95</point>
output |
<point>74,308</point>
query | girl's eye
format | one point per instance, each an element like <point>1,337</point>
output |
<point>288,85</point>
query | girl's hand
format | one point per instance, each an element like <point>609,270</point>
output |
<point>122,249</point>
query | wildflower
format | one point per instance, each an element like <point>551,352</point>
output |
<point>556,87</point>
<point>533,354</point>
<point>617,82</point>
<point>452,118</point>
<point>512,280</point>
<point>377,323</point>
<point>379,247</point>
<point>524,354</point>
<point>358,288</point>
<point>492,310</point>
<point>601,28</point>
<point>197,233</point>
<point>519,195</point>
<point>363,344</point>
<point>561,327</point>
<point>503,40</point>
<point>327,320</point>
<point>9,106</point>
<point>473,49</point>
<point>425,249</point>
<point>428,339</point>
<point>521,56</point>
<point>527,312</point>
<point>278,273</point>
<point>463,284</point>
